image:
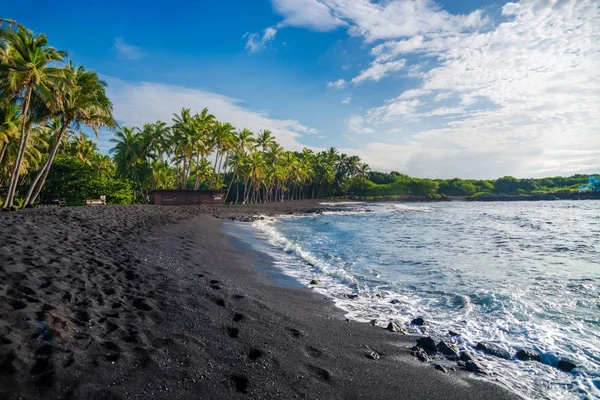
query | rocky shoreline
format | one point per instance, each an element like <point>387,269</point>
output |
<point>145,301</point>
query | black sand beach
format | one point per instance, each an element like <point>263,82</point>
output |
<point>147,302</point>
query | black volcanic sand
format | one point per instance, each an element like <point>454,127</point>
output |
<point>151,302</point>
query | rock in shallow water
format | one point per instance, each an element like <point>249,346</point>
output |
<point>448,349</point>
<point>474,366</point>
<point>466,356</point>
<point>418,321</point>
<point>395,301</point>
<point>493,350</point>
<point>314,282</point>
<point>528,355</point>
<point>566,365</point>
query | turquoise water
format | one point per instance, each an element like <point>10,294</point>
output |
<point>520,275</point>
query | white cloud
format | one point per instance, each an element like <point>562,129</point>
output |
<point>412,93</point>
<point>136,103</point>
<point>347,100</point>
<point>375,20</point>
<point>444,111</point>
<point>257,42</point>
<point>339,84</point>
<point>377,71</point>
<point>393,110</point>
<point>127,51</point>
<point>311,14</point>
<point>443,96</point>
<point>356,124</point>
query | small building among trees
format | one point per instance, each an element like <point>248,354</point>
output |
<point>188,197</point>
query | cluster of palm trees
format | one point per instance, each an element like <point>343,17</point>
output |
<point>197,151</point>
<point>43,100</point>
<point>46,100</point>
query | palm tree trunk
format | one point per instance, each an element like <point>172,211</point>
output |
<point>197,183</point>
<point>43,173</point>
<point>246,191</point>
<point>14,177</point>
<point>231,183</point>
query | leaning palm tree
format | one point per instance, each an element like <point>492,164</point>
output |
<point>26,60</point>
<point>82,100</point>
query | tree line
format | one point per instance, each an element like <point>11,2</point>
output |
<point>198,152</point>
<point>382,185</point>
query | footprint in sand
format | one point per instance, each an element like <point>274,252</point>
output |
<point>240,383</point>
<point>319,372</point>
<point>254,354</point>
<point>220,302</point>
<point>233,332</point>
<point>237,317</point>
<point>295,332</point>
<point>314,352</point>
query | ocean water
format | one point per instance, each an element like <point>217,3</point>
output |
<point>516,274</point>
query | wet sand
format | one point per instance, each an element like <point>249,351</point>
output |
<point>138,302</point>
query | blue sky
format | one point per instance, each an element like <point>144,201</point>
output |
<point>471,89</point>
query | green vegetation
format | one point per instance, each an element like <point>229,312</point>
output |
<point>46,101</point>
<point>382,185</point>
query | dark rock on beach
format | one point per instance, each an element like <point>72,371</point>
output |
<point>314,282</point>
<point>528,355</point>
<point>427,344</point>
<point>441,368</point>
<point>566,365</point>
<point>420,354</point>
<point>395,301</point>
<point>396,327</point>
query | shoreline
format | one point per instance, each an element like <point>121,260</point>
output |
<point>140,301</point>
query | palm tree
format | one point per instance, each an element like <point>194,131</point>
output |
<point>26,60</point>
<point>161,140</point>
<point>83,148</point>
<point>204,143</point>
<point>243,141</point>
<point>81,100</point>
<point>127,154</point>
<point>264,139</point>
<point>224,140</point>
<point>255,174</point>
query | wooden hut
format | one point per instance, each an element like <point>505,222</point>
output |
<point>188,197</point>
